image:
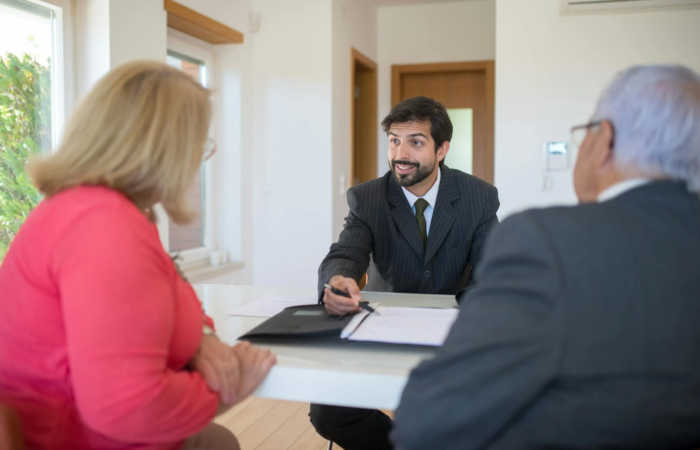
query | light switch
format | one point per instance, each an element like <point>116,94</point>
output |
<point>556,156</point>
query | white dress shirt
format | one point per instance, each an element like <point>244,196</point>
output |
<point>620,188</point>
<point>430,197</point>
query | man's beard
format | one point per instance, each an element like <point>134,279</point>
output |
<point>418,175</point>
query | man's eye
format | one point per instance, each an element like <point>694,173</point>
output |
<point>417,143</point>
<point>395,141</point>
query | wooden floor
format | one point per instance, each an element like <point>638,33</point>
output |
<point>262,424</point>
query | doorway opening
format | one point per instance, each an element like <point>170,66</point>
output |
<point>363,165</point>
<point>467,91</point>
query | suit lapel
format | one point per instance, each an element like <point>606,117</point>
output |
<point>444,214</point>
<point>403,216</point>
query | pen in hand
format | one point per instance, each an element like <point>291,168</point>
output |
<point>363,305</point>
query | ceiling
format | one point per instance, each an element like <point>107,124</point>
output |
<point>412,2</point>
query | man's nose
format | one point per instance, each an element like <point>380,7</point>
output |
<point>403,153</point>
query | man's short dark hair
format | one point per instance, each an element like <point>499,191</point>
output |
<point>422,109</point>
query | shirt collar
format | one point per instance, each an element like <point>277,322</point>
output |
<point>620,188</point>
<point>430,196</point>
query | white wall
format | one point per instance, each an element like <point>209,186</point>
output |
<point>292,62</point>
<point>550,71</point>
<point>110,33</point>
<point>442,32</point>
<point>234,158</point>
<point>354,26</point>
<point>137,31</point>
<point>92,43</point>
<point>287,91</point>
<point>274,95</point>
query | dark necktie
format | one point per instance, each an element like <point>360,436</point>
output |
<point>421,205</point>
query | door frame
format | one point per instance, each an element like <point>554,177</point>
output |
<point>482,163</point>
<point>361,60</point>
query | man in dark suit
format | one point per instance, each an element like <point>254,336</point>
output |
<point>582,331</point>
<point>418,229</point>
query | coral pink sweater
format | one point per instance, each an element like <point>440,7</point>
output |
<point>96,328</point>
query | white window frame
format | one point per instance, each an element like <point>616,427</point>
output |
<point>62,69</point>
<point>189,46</point>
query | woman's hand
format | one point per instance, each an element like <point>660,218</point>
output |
<point>255,363</point>
<point>220,367</point>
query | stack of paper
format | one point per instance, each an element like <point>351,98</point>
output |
<point>398,325</point>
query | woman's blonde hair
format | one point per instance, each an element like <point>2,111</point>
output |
<point>141,131</point>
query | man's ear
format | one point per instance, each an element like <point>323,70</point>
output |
<point>604,144</point>
<point>442,151</point>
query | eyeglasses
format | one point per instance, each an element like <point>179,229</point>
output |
<point>578,133</point>
<point>209,149</point>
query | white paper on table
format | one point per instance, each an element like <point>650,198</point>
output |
<point>271,305</point>
<point>356,321</point>
<point>399,325</point>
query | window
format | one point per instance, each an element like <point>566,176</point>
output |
<point>461,152</point>
<point>192,236</point>
<point>195,241</point>
<point>32,100</point>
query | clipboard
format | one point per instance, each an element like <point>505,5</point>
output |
<point>299,322</point>
<point>391,325</point>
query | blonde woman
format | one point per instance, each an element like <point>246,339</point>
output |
<point>101,341</point>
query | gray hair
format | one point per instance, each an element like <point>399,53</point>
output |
<point>655,111</point>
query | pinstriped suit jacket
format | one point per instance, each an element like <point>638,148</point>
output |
<point>381,236</point>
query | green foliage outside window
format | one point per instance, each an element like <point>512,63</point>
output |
<point>25,129</point>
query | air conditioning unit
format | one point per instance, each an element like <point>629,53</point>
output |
<point>577,7</point>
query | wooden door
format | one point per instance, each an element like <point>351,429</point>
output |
<point>467,85</point>
<point>364,119</point>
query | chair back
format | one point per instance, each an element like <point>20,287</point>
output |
<point>10,429</point>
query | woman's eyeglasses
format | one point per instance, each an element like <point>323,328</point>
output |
<point>209,149</point>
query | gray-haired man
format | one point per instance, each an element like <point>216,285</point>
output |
<point>583,329</point>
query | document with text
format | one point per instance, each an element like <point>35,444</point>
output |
<point>399,325</point>
<point>271,305</point>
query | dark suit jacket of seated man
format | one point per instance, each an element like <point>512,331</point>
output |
<point>583,329</point>
<point>403,246</point>
<point>381,236</point>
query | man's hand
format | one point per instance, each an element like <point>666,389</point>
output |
<point>255,363</point>
<point>219,367</point>
<point>337,304</point>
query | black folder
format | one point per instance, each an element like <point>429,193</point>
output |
<point>299,322</point>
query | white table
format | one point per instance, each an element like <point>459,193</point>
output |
<point>357,374</point>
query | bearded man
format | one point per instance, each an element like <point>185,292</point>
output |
<point>418,229</point>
